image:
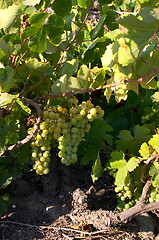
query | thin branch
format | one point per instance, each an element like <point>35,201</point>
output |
<point>111,85</point>
<point>54,228</point>
<point>146,64</point>
<point>146,163</point>
<point>26,82</point>
<point>35,129</point>
<point>22,56</point>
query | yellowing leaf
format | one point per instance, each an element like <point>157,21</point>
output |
<point>154,142</point>
<point>132,164</point>
<point>8,15</point>
<point>144,151</point>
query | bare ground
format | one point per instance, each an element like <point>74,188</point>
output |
<point>66,204</point>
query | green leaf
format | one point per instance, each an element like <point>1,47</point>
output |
<point>117,160</point>
<point>121,176</point>
<point>128,51</point>
<point>6,98</point>
<point>62,8</point>
<point>69,67</point>
<point>39,43</point>
<point>5,178</point>
<point>132,144</point>
<point>3,132</point>
<point>84,3</point>
<point>25,109</point>
<point>55,28</point>
<point>83,76</point>
<point>6,78</point>
<point>36,65</point>
<point>90,155</point>
<point>4,203</point>
<point>154,142</point>
<point>144,151</point>
<point>132,164</point>
<point>155,97</point>
<point>31,2</point>
<point>96,169</point>
<point>94,33</point>
<point>8,15</point>
<point>38,18</point>
<point>1,53</point>
<point>126,141</point>
<point>6,48</point>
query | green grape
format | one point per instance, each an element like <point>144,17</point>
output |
<point>46,171</point>
<point>64,131</point>
<point>122,198</point>
<point>45,114</point>
<point>46,154</point>
<point>73,121</point>
<point>151,200</point>
<point>127,206</point>
<point>157,197</point>
<point>117,190</point>
<point>34,155</point>
<point>93,111</point>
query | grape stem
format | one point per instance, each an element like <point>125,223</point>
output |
<point>111,85</point>
<point>156,156</point>
<point>35,129</point>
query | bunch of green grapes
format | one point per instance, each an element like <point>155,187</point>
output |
<point>125,197</point>
<point>66,126</point>
<point>153,195</point>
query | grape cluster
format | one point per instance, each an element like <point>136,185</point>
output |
<point>125,197</point>
<point>66,126</point>
<point>154,195</point>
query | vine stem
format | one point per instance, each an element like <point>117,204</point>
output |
<point>111,85</point>
<point>35,129</point>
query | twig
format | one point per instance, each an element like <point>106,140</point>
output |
<point>70,238</point>
<point>22,56</point>
<point>146,163</point>
<point>111,85</point>
<point>26,82</point>
<point>36,127</point>
<point>146,64</point>
<point>54,228</point>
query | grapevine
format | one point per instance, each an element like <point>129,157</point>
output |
<point>64,126</point>
<point>48,52</point>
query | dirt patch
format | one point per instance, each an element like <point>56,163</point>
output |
<point>66,204</point>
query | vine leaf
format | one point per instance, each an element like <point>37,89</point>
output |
<point>6,98</point>
<point>61,8</point>
<point>131,144</point>
<point>96,169</point>
<point>6,78</point>
<point>25,109</point>
<point>144,151</point>
<point>31,2</point>
<point>83,76</point>
<point>132,164</point>
<point>84,3</point>
<point>8,15</point>
<point>154,142</point>
<point>55,27</point>
<point>155,97</point>
<point>121,176</point>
